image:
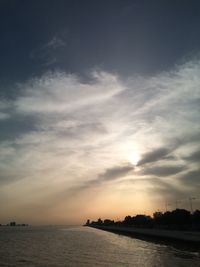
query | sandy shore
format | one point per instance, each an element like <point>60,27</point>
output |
<point>184,236</point>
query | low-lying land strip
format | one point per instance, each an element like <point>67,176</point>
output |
<point>184,236</point>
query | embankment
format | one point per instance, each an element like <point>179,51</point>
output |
<point>181,236</point>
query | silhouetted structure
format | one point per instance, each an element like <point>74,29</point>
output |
<point>14,224</point>
<point>178,219</point>
<point>88,222</point>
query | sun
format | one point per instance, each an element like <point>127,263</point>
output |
<point>133,157</point>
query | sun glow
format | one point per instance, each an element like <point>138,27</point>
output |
<point>134,157</point>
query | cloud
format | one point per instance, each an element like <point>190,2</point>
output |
<point>191,178</point>
<point>4,116</point>
<point>194,157</point>
<point>163,170</point>
<point>154,156</point>
<point>58,92</point>
<point>110,174</point>
<point>4,109</point>
<point>66,134</point>
<point>48,52</point>
<point>116,172</point>
<point>55,42</point>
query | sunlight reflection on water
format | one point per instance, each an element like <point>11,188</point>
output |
<point>83,246</point>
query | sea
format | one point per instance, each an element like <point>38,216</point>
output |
<point>68,246</point>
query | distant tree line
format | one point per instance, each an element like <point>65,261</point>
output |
<point>178,219</point>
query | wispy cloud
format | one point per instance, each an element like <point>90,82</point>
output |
<point>4,110</point>
<point>4,116</point>
<point>47,53</point>
<point>55,43</point>
<point>58,92</point>
<point>109,175</point>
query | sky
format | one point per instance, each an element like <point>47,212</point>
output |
<point>99,109</point>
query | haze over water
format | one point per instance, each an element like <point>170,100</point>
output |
<point>74,246</point>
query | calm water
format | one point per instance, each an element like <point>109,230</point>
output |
<point>83,246</point>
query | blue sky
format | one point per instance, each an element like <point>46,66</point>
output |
<point>99,108</point>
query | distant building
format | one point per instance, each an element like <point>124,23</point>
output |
<point>88,222</point>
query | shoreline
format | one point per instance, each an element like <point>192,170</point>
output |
<point>186,237</point>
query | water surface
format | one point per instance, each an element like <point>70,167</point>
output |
<point>83,246</point>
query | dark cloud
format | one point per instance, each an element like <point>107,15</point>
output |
<point>116,172</point>
<point>187,139</point>
<point>163,170</point>
<point>154,156</point>
<point>191,178</point>
<point>194,157</point>
<point>167,152</point>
